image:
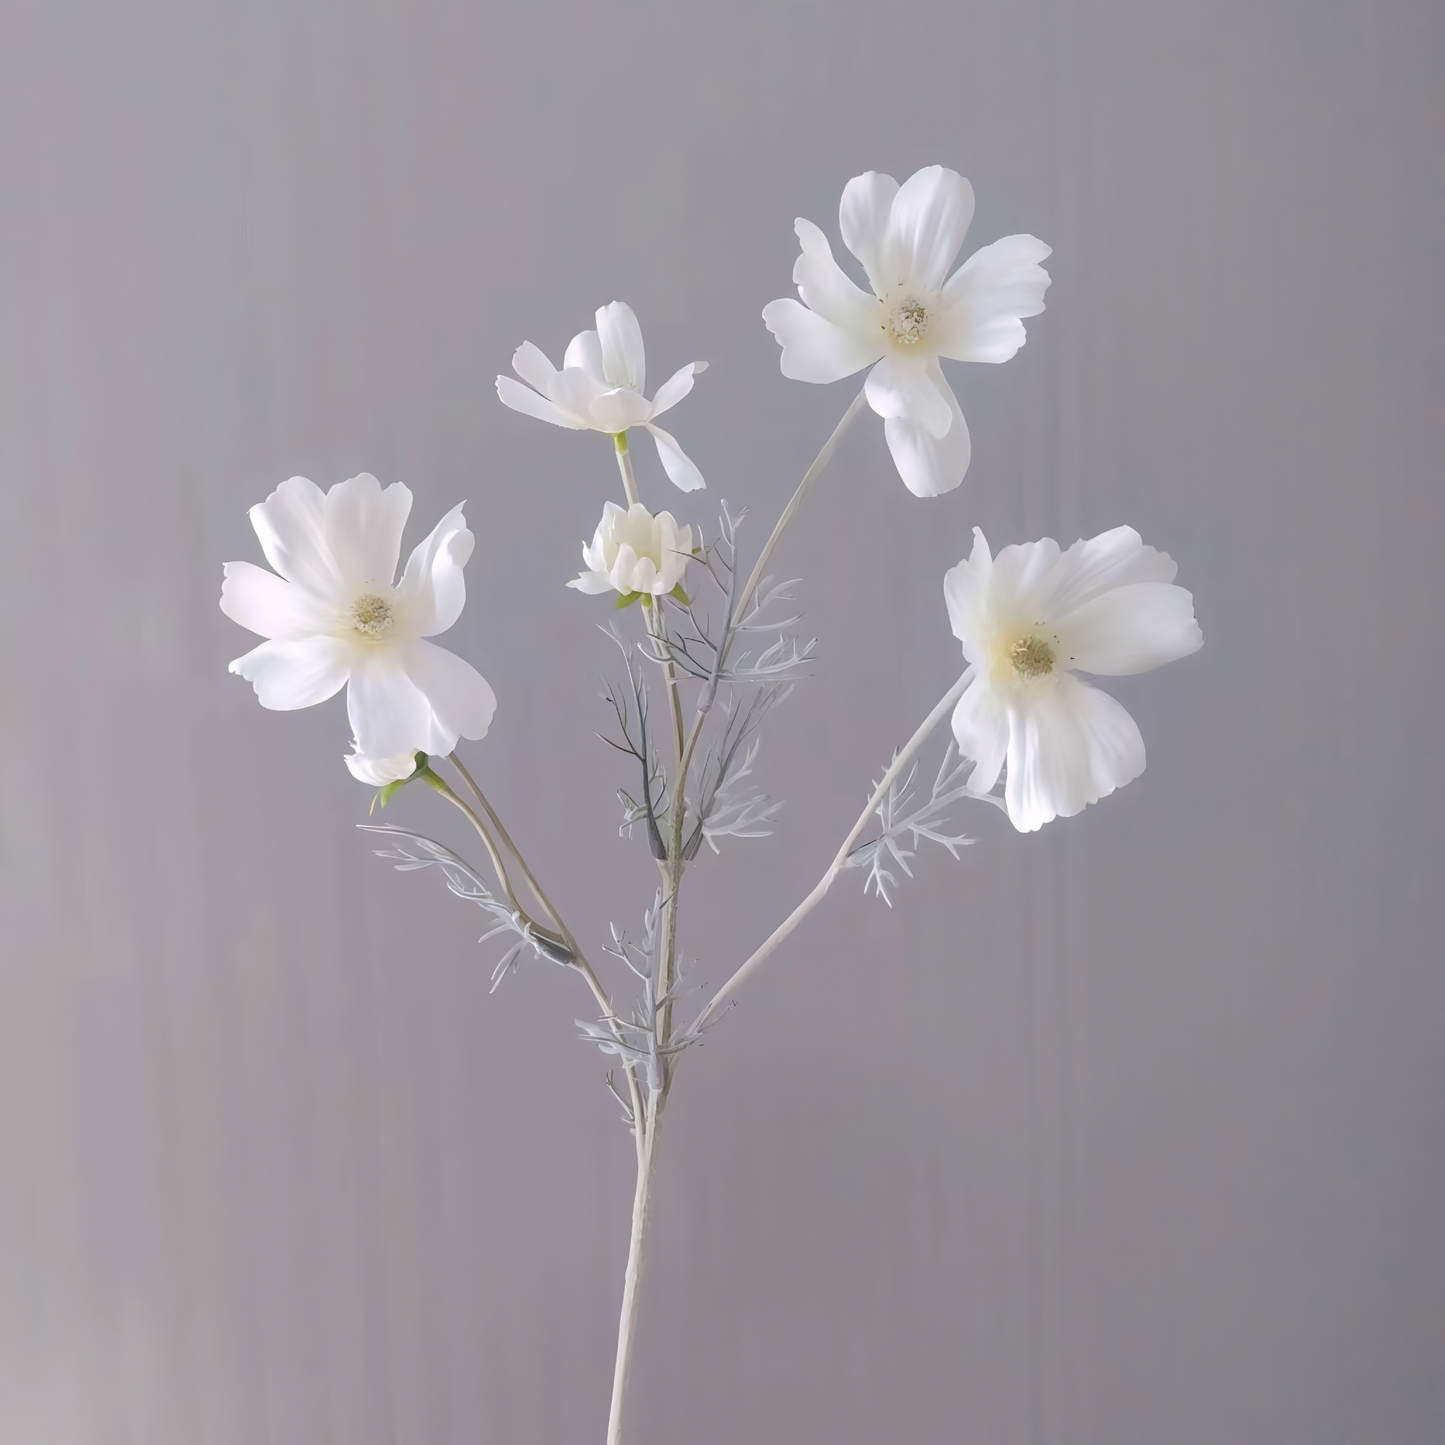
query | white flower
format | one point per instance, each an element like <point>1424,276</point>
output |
<point>378,772</point>
<point>600,387</point>
<point>633,551</point>
<point>335,618</point>
<point>907,237</point>
<point>1028,620</point>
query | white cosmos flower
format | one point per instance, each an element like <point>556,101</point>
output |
<point>906,238</point>
<point>633,551</point>
<point>600,387</point>
<point>378,772</point>
<point>336,618</point>
<point>1029,619</point>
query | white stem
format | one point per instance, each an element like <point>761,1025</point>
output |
<point>641,1218</point>
<point>811,476</point>
<point>624,465</point>
<point>944,706</point>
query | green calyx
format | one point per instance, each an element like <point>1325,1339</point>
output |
<point>626,599</point>
<point>422,771</point>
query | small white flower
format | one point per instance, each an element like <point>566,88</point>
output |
<point>334,617</point>
<point>600,388</point>
<point>906,238</point>
<point>378,772</point>
<point>633,551</point>
<point>1028,620</point>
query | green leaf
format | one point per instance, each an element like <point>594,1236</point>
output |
<point>626,599</point>
<point>679,595</point>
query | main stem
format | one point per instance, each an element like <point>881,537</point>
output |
<point>646,1120</point>
<point>631,1297</point>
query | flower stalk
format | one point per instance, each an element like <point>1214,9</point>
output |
<point>901,760</point>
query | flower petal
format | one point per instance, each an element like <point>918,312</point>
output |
<point>363,528</point>
<point>1130,629</point>
<point>926,226</point>
<point>1023,579</point>
<point>980,727</point>
<point>814,349</point>
<point>863,221</point>
<point>460,697</point>
<point>644,575</point>
<point>433,590</point>
<point>591,582</point>
<point>584,352</point>
<point>574,389</point>
<point>680,468</point>
<point>930,465</point>
<point>676,387</point>
<point>623,361</point>
<point>1112,559</point>
<point>531,364</point>
<point>525,400</point>
<point>979,311</point>
<point>624,564</point>
<point>291,526</point>
<point>378,772</point>
<point>268,604</point>
<point>966,593</point>
<point>825,289</point>
<point>296,672</point>
<point>388,712</point>
<point>1069,746</point>
<point>616,410</point>
<point>905,386</point>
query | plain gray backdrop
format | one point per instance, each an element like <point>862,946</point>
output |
<point>1129,1133</point>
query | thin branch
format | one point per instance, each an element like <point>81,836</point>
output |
<point>809,477</point>
<point>941,710</point>
<point>579,959</point>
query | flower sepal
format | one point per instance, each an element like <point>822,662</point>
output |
<point>383,794</point>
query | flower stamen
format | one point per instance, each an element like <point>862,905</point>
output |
<point>908,322</point>
<point>1032,657</point>
<point>371,615</point>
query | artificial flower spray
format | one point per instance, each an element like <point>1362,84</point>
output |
<point>706,649</point>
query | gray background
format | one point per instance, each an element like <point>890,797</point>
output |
<point>1124,1134</point>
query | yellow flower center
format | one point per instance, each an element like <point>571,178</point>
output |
<point>908,322</point>
<point>1032,657</point>
<point>371,615</point>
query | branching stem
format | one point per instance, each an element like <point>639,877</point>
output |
<point>944,706</point>
<point>672,868</point>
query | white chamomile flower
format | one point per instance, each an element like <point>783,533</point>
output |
<point>633,551</point>
<point>906,238</point>
<point>335,617</point>
<point>600,388</point>
<point>378,772</point>
<point>1029,619</point>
